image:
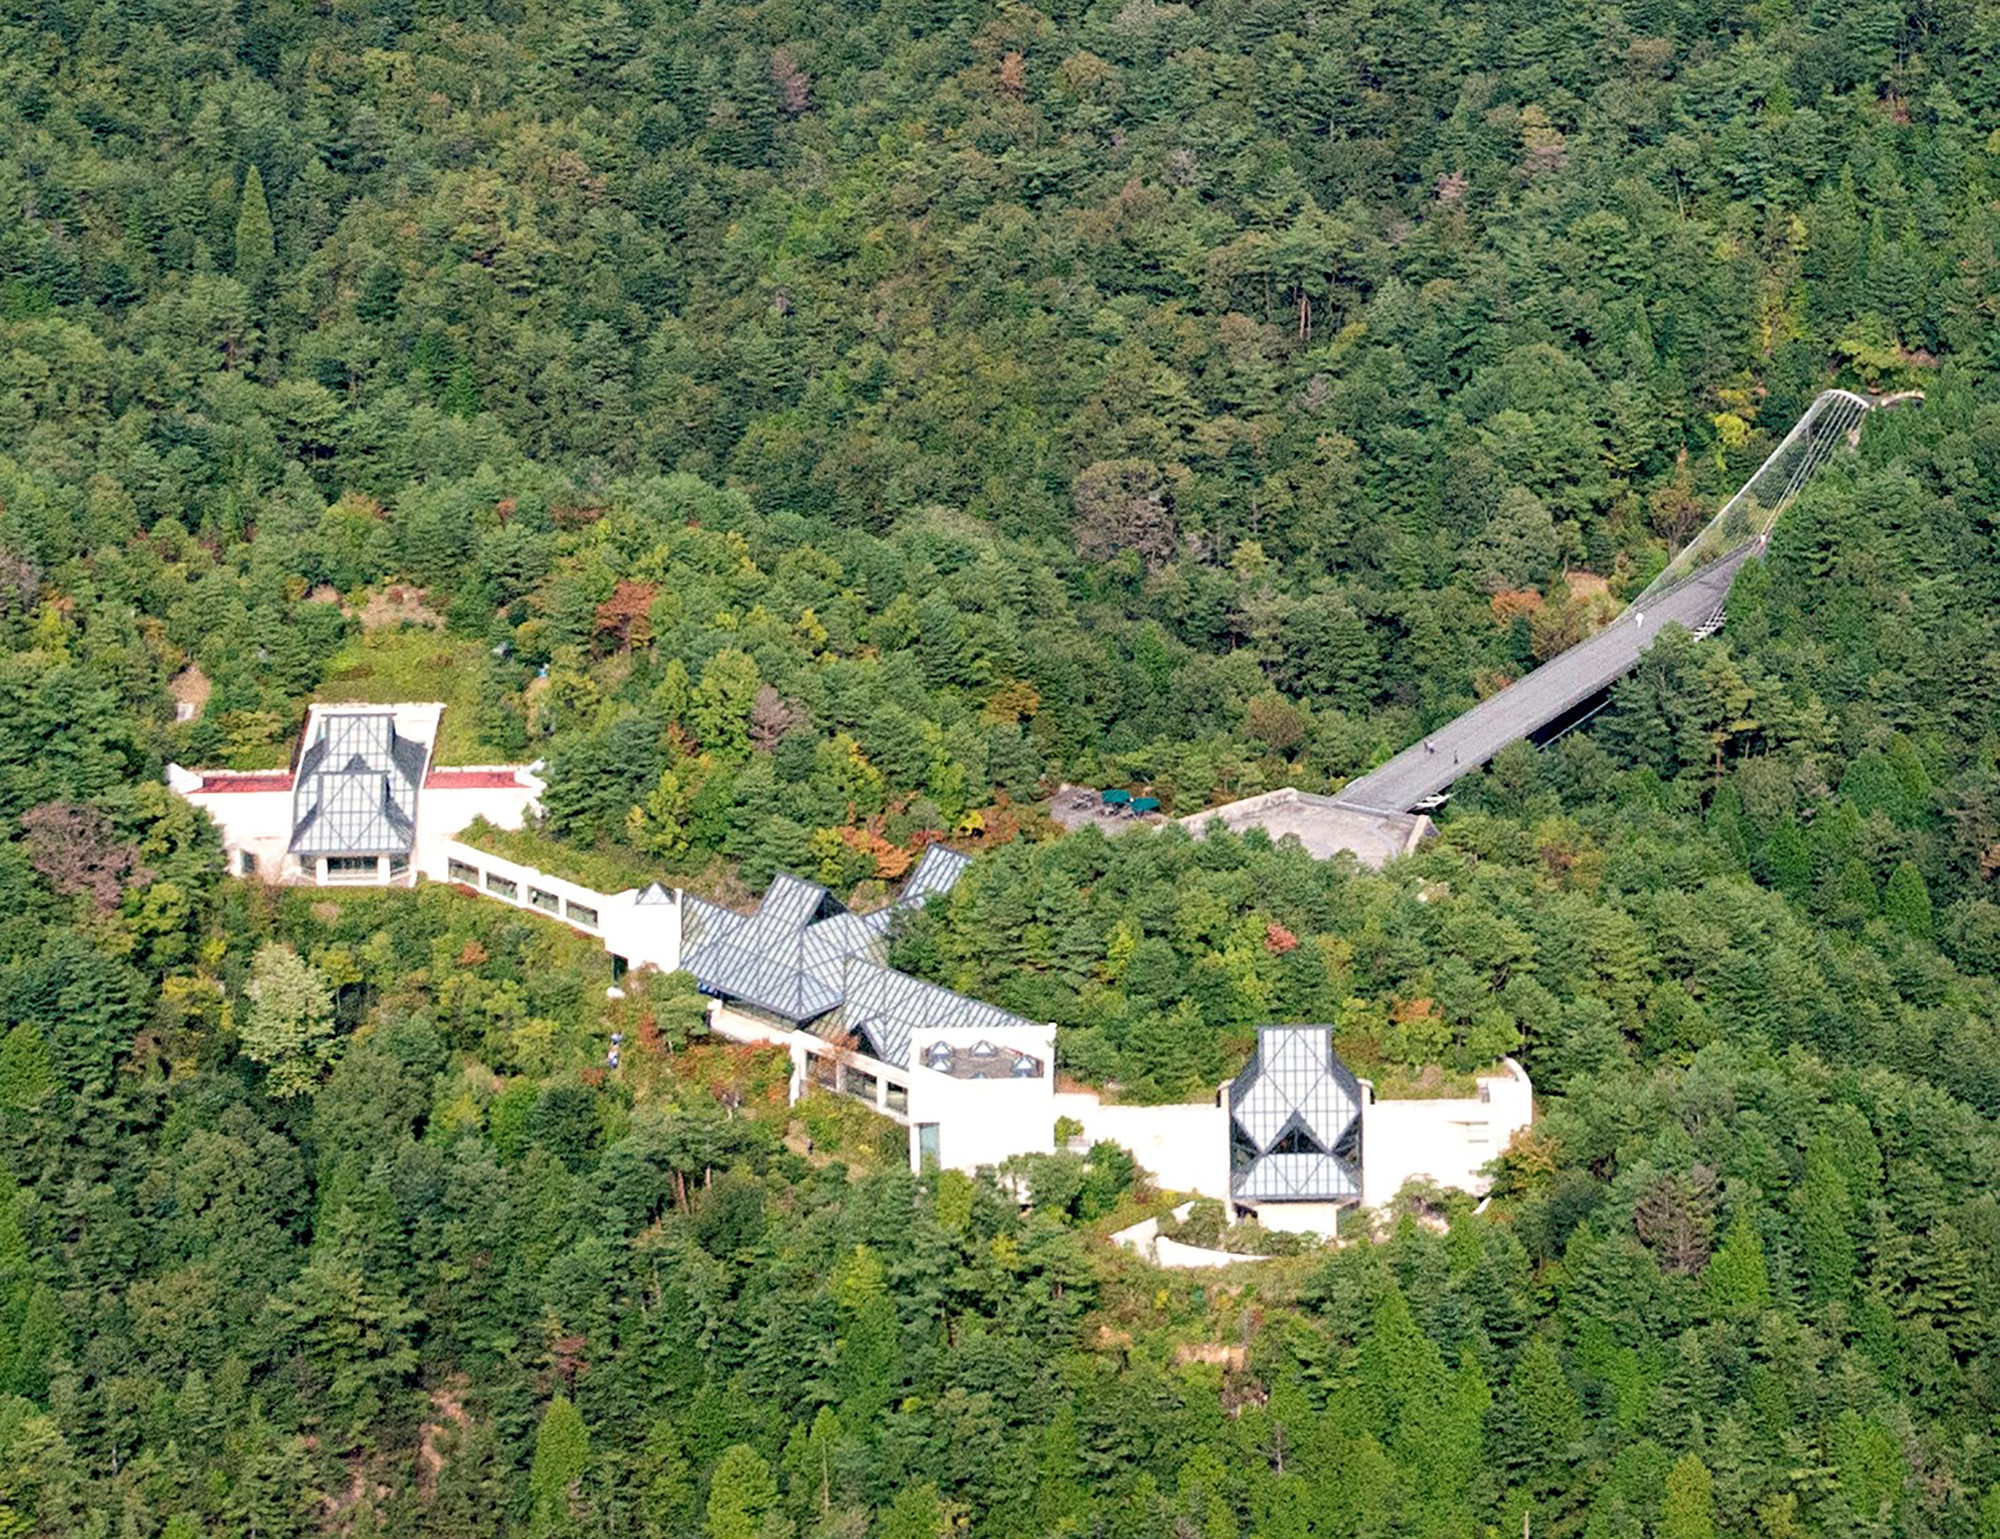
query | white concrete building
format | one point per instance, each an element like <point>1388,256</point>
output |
<point>1295,1138</point>
<point>1447,1141</point>
<point>639,927</point>
<point>1184,1146</point>
<point>363,801</point>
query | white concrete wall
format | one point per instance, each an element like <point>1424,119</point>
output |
<point>819,1064</point>
<point>445,812</point>
<point>1146,1240</point>
<point>733,1025</point>
<point>1446,1141</point>
<point>259,822</point>
<point>1184,1148</point>
<point>984,1121</point>
<point>644,934</point>
<point>1301,1217</point>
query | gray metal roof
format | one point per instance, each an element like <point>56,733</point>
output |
<point>356,788</point>
<point>1295,1120</point>
<point>887,1008</point>
<point>938,871</point>
<point>804,958</point>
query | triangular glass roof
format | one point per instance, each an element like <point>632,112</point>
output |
<point>1295,1115</point>
<point>356,788</point>
<point>804,958</point>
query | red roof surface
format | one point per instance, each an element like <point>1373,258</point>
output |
<point>472,780</point>
<point>253,780</point>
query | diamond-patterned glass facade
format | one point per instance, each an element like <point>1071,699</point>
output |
<point>1295,1121</point>
<point>807,960</point>
<point>356,789</point>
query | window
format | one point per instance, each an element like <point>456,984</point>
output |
<point>246,863</point>
<point>545,901</point>
<point>898,1099</point>
<point>399,867</point>
<point>619,967</point>
<point>500,887</point>
<point>1296,1140</point>
<point>927,1145</point>
<point>861,1086</point>
<point>578,914</point>
<point>459,871</point>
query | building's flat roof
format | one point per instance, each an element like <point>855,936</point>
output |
<point>1323,825</point>
<point>225,782</point>
<point>473,780</point>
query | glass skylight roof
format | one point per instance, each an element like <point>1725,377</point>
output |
<point>804,958</point>
<point>356,790</point>
<point>1295,1120</point>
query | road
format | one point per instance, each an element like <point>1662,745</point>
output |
<point>1428,767</point>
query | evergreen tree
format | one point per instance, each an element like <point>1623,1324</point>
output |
<point>555,1479</point>
<point>1826,1218</point>
<point>256,247</point>
<point>1737,1282</point>
<point>1689,1509</point>
<point>1906,901</point>
<point>743,1498</point>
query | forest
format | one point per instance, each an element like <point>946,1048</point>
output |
<point>811,431</point>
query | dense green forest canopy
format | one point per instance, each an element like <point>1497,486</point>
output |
<point>812,430</point>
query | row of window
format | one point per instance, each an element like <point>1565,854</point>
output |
<point>364,868</point>
<point>505,887</point>
<point>829,1073</point>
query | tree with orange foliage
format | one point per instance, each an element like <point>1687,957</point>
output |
<point>628,613</point>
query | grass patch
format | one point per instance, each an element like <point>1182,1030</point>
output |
<point>603,870</point>
<point>840,1127</point>
<point>1432,1082</point>
<point>416,663</point>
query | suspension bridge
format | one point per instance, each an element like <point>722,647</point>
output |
<point>1690,592</point>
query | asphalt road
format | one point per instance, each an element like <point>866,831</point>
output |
<point>1427,767</point>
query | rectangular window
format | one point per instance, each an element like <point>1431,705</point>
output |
<point>898,1099</point>
<point>861,1086</point>
<point>399,867</point>
<point>927,1145</point>
<point>459,871</point>
<point>545,901</point>
<point>822,1070</point>
<point>500,887</point>
<point>578,914</point>
<point>351,868</point>
<point>246,863</point>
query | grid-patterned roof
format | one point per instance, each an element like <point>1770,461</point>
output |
<point>802,957</point>
<point>887,1008</point>
<point>1297,1178</point>
<point>1295,1120</point>
<point>938,871</point>
<point>758,958</point>
<point>356,789</point>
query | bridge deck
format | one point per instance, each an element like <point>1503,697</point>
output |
<point>1525,706</point>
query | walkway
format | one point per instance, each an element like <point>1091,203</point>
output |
<point>1690,593</point>
<point>1559,685</point>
